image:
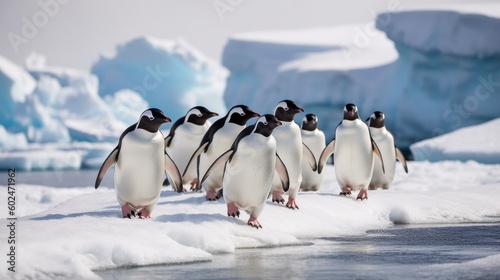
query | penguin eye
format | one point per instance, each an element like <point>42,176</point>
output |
<point>286,108</point>
<point>199,115</point>
<point>265,123</point>
<point>242,114</point>
<point>151,118</point>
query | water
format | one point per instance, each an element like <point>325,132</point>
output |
<point>399,253</point>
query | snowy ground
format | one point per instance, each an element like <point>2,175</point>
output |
<point>65,232</point>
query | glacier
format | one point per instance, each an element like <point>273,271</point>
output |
<point>431,71</point>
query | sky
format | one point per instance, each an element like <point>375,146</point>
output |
<point>74,33</point>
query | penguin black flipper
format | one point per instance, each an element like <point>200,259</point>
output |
<point>110,160</point>
<point>205,142</point>
<point>174,173</point>
<point>171,134</point>
<point>112,157</point>
<point>228,155</point>
<point>220,160</point>
<point>283,173</point>
<point>327,152</point>
<point>245,132</point>
<point>376,151</point>
<point>309,156</point>
<point>401,158</point>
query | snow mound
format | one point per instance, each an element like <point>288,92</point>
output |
<point>430,71</point>
<point>86,232</point>
<point>170,75</point>
<point>480,143</point>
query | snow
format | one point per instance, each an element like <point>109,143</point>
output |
<point>480,143</point>
<point>70,237</point>
<point>431,70</point>
<point>169,74</point>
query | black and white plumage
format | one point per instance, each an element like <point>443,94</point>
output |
<point>354,151</point>
<point>141,161</point>
<point>390,153</point>
<point>217,140</point>
<point>184,138</point>
<point>313,138</point>
<point>291,150</point>
<point>250,165</point>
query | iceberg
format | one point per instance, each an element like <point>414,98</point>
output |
<point>170,75</point>
<point>430,71</point>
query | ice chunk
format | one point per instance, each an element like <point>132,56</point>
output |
<point>170,75</point>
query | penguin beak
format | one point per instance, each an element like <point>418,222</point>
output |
<point>367,119</point>
<point>278,123</point>
<point>256,115</point>
<point>167,119</point>
<point>214,115</point>
<point>300,110</point>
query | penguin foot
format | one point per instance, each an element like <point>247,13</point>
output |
<point>346,190</point>
<point>253,222</point>
<point>144,214</point>
<point>278,198</point>
<point>194,185</point>
<point>232,210</point>
<point>292,204</point>
<point>211,195</point>
<point>363,194</point>
<point>128,211</point>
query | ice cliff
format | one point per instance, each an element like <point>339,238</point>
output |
<point>431,71</point>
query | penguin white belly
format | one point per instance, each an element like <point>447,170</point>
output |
<point>221,142</point>
<point>315,140</point>
<point>353,155</point>
<point>248,177</point>
<point>140,167</point>
<point>186,140</point>
<point>289,147</point>
<point>385,143</point>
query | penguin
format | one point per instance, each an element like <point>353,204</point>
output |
<point>291,150</point>
<point>314,138</point>
<point>249,169</point>
<point>184,138</point>
<point>141,161</point>
<point>218,139</point>
<point>390,153</point>
<point>353,150</point>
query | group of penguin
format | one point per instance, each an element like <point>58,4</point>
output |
<point>247,164</point>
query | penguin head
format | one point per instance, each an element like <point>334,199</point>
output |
<point>350,112</point>
<point>266,124</point>
<point>151,120</point>
<point>240,114</point>
<point>286,110</point>
<point>310,122</point>
<point>377,119</point>
<point>199,115</point>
